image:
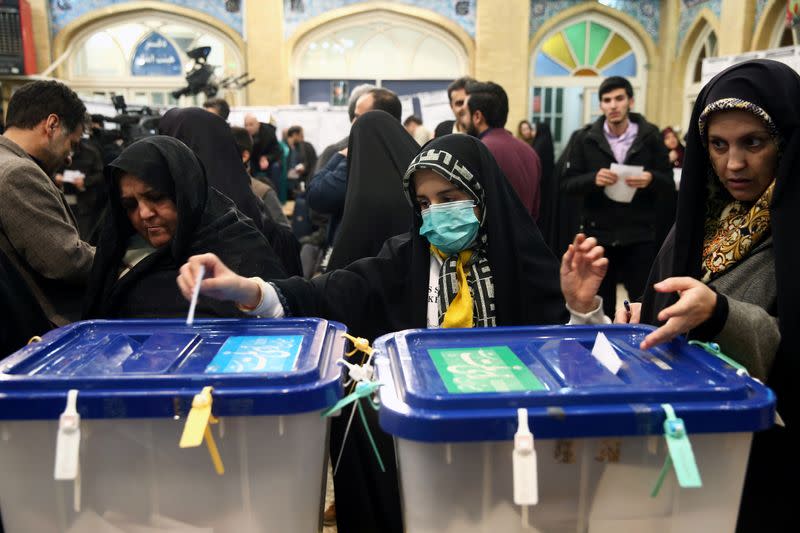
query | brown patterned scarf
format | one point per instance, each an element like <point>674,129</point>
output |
<point>732,230</point>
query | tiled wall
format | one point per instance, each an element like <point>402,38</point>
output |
<point>462,12</point>
<point>62,12</point>
<point>646,12</point>
<point>688,14</point>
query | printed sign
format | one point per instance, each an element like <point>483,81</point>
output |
<point>155,56</point>
<point>256,354</point>
<point>489,369</point>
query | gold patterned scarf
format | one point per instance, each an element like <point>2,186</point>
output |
<point>730,233</point>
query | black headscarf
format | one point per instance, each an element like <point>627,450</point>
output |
<point>207,222</point>
<point>375,207</point>
<point>525,273</point>
<point>210,137</point>
<point>548,207</point>
<point>775,88</point>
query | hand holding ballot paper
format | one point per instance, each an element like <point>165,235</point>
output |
<point>629,178</point>
<point>75,177</point>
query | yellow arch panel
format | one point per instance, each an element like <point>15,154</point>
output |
<point>557,48</point>
<point>616,48</point>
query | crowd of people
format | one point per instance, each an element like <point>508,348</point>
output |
<point>393,229</point>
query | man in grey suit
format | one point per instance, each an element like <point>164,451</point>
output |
<point>38,232</point>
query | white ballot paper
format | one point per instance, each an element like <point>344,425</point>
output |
<point>69,176</point>
<point>676,176</point>
<point>604,352</point>
<point>621,191</point>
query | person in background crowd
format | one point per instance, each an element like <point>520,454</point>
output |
<point>525,132</point>
<point>315,244</point>
<point>490,269</point>
<point>85,188</point>
<point>727,272</point>
<point>266,157</point>
<point>38,232</point>
<point>302,156</point>
<point>674,146</point>
<point>161,211</point>
<point>413,125</point>
<point>338,146</point>
<point>326,192</point>
<point>209,136</point>
<point>627,231</point>
<point>487,106</point>
<point>375,206</point>
<point>457,95</point>
<point>244,143</point>
<point>218,106</point>
<point>548,189</point>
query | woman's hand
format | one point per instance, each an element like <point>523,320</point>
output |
<point>695,305</point>
<point>621,316</point>
<point>583,268</point>
<point>220,282</point>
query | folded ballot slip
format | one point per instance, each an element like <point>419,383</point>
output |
<point>621,191</point>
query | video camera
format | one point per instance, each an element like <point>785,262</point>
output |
<point>201,79</point>
<point>134,122</point>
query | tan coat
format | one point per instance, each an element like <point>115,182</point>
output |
<point>39,234</point>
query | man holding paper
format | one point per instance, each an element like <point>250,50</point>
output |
<point>620,167</point>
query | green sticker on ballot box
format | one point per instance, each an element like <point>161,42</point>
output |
<point>487,369</point>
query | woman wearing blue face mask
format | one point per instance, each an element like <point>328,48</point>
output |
<point>473,258</point>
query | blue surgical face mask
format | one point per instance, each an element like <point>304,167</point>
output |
<point>451,227</point>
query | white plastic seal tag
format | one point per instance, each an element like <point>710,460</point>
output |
<point>68,441</point>
<point>358,373</point>
<point>526,484</point>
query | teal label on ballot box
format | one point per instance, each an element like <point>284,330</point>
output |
<point>256,354</point>
<point>489,369</point>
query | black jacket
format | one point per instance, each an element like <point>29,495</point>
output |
<point>615,223</point>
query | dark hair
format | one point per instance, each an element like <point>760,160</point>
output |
<point>460,83</point>
<point>490,99</point>
<point>98,119</point>
<point>412,118</point>
<point>243,139</point>
<point>220,105</point>
<point>35,101</point>
<point>612,83</point>
<point>294,130</point>
<point>386,100</point>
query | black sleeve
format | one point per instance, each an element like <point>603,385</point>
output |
<point>660,166</point>
<point>94,175</point>
<point>285,245</point>
<point>272,148</point>
<point>359,295</point>
<point>577,179</point>
<point>311,160</point>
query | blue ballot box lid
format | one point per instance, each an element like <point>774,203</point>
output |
<point>153,368</point>
<point>449,385</point>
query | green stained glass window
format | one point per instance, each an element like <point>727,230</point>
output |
<point>586,48</point>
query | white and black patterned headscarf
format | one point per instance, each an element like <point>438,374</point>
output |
<point>479,275</point>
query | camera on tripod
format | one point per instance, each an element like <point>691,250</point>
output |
<point>201,78</point>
